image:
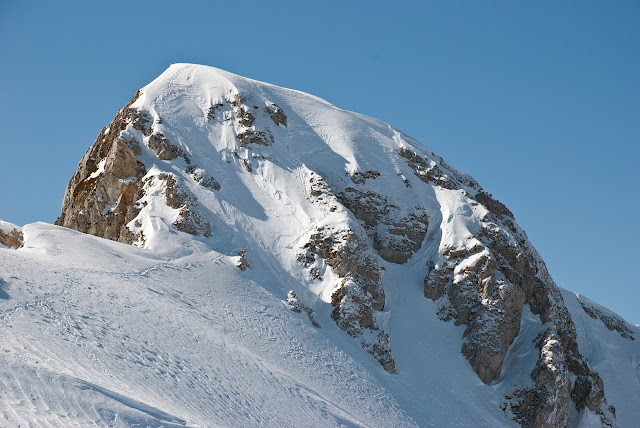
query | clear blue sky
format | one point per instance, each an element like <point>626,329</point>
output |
<point>539,101</point>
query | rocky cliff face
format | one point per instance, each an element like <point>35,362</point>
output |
<point>331,198</point>
<point>485,285</point>
<point>102,195</point>
<point>107,192</point>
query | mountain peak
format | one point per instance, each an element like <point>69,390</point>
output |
<point>337,208</point>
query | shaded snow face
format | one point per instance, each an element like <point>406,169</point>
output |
<point>338,209</point>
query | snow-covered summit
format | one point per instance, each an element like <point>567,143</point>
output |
<point>378,247</point>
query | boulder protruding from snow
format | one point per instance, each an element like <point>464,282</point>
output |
<point>11,235</point>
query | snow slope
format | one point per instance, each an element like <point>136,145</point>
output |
<point>174,334</point>
<point>96,331</point>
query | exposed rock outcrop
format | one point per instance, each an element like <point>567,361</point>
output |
<point>485,286</point>
<point>190,219</point>
<point>430,172</point>
<point>101,195</point>
<point>245,129</point>
<point>396,237</point>
<point>360,177</point>
<point>164,149</point>
<point>360,291</point>
<point>276,114</point>
<point>366,205</point>
<point>546,403</point>
<point>321,193</point>
<point>243,263</point>
<point>201,177</point>
<point>12,239</point>
<point>496,207</point>
<point>105,194</point>
<point>441,174</point>
<point>297,306</point>
<point>612,322</point>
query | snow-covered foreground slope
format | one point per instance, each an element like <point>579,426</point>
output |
<point>293,264</point>
<point>101,332</point>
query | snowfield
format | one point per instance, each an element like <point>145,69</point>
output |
<point>141,338</point>
<point>171,333</point>
<point>97,332</point>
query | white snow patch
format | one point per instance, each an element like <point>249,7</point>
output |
<point>98,171</point>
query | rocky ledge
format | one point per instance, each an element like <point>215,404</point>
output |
<point>359,293</point>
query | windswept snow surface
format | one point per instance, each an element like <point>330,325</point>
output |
<point>97,332</point>
<point>100,332</point>
<point>174,334</point>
